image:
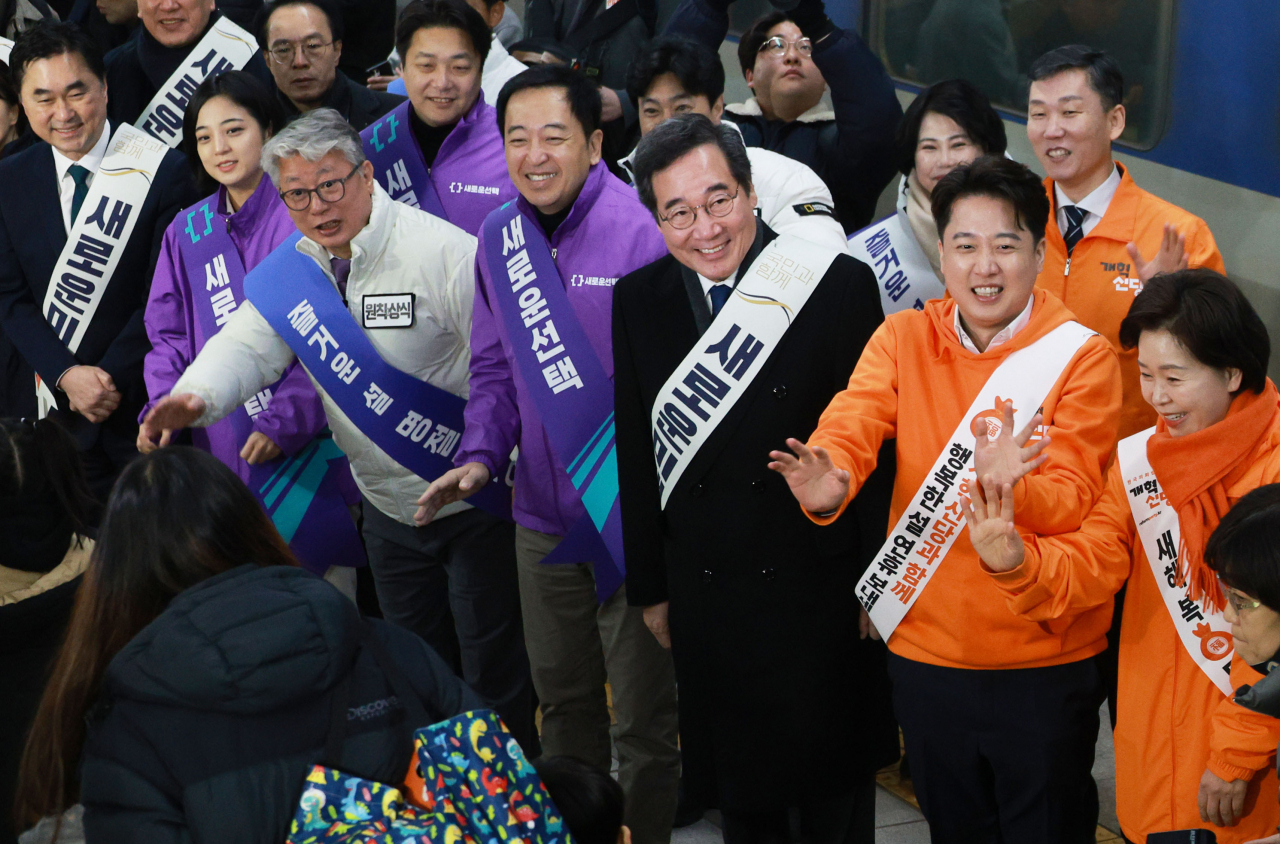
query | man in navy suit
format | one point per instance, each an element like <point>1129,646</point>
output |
<point>99,389</point>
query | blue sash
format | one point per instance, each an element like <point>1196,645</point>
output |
<point>417,424</point>
<point>302,494</point>
<point>573,394</point>
<point>398,164</point>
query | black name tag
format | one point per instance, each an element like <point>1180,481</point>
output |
<point>388,310</point>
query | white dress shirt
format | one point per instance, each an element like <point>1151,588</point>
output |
<point>1006,334</point>
<point>1095,204</point>
<point>91,161</point>
<point>707,284</point>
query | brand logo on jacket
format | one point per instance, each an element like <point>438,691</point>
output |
<point>484,190</point>
<point>579,280</point>
<point>1128,285</point>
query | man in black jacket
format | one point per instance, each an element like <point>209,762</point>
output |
<point>302,40</point>
<point>99,388</point>
<point>756,603</point>
<point>789,59</point>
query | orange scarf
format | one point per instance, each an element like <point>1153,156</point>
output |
<point>1195,472</point>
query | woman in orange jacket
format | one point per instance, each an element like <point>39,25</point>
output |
<point>1186,754</point>
<point>958,658</point>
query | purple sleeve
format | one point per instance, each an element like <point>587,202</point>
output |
<point>295,414</point>
<point>167,324</point>
<point>492,416</point>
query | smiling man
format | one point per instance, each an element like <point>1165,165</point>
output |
<point>1012,757</point>
<point>1106,236</point>
<point>752,598</point>
<point>541,364</point>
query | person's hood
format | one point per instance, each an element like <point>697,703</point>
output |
<point>751,108</point>
<point>248,640</point>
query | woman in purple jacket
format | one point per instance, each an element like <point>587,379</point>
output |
<point>198,283</point>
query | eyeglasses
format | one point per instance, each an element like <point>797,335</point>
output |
<point>1238,602</point>
<point>776,47</point>
<point>684,216</point>
<point>283,53</point>
<point>299,199</point>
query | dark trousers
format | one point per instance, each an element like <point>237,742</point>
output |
<point>1001,756</point>
<point>848,818</point>
<point>454,583</point>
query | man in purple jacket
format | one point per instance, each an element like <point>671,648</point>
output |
<point>595,230</point>
<point>441,151</point>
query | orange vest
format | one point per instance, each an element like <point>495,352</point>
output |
<point>1100,282</point>
<point>1173,722</point>
<point>915,382</point>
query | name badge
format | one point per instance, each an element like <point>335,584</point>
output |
<point>388,310</point>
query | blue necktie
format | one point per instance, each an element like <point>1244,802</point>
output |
<point>1075,226</point>
<point>80,175</point>
<point>720,294</point>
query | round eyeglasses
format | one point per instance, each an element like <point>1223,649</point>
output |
<point>299,199</point>
<point>776,47</point>
<point>283,52</point>
<point>684,216</point>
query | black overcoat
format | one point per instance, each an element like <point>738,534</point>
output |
<point>778,696</point>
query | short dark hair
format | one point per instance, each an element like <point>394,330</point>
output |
<point>755,36</point>
<point>1209,316</point>
<point>582,93</point>
<point>696,66</point>
<point>673,139</point>
<point>1099,68</point>
<point>998,178</point>
<point>50,38</point>
<point>1244,549</point>
<point>332,13</point>
<point>960,100</point>
<point>452,14</point>
<point>590,801</point>
<point>244,90</point>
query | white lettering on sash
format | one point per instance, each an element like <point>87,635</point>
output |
<point>1205,634</point>
<point>561,373</point>
<point>224,47</point>
<point>717,371</point>
<point>98,239</point>
<point>933,519</point>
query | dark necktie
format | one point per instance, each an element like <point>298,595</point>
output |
<point>341,271</point>
<point>80,175</point>
<point>720,294</point>
<point>1075,226</point>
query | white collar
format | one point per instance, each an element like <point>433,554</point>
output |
<point>707,283</point>
<point>91,160</point>
<point>1099,200</point>
<point>1006,334</point>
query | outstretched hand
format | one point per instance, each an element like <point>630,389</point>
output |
<point>991,528</point>
<point>453,485</point>
<point>1007,458</point>
<point>815,481</point>
<point>171,413</point>
<point>1172,255</point>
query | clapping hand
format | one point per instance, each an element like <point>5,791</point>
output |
<point>1007,458</point>
<point>1171,256</point>
<point>815,481</point>
<point>991,528</point>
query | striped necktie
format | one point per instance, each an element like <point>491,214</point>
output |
<point>1075,226</point>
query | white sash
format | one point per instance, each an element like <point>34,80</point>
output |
<point>933,520</point>
<point>6,46</point>
<point>98,238</point>
<point>224,47</point>
<point>903,273</point>
<point>718,370</point>
<point>1205,634</point>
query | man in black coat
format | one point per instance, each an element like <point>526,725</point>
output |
<point>303,43</point>
<point>139,68</point>
<point>99,389</point>
<point>782,705</point>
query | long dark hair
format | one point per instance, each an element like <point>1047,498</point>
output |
<point>42,482</point>
<point>176,517</point>
<point>245,91</point>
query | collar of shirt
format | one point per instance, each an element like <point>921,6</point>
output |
<point>707,284</point>
<point>91,161</point>
<point>1004,336</point>
<point>1096,203</point>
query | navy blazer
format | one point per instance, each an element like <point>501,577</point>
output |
<point>31,239</point>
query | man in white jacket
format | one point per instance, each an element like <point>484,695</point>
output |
<point>679,76</point>
<point>454,581</point>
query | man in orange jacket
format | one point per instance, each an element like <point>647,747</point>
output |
<point>1106,236</point>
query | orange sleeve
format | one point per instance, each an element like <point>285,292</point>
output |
<point>861,416</point>
<point>1242,742</point>
<point>1072,573</point>
<point>1202,249</point>
<point>1056,497</point>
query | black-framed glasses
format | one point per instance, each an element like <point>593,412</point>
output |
<point>313,50</point>
<point>332,190</point>
<point>684,216</point>
<point>776,47</point>
<point>1239,602</point>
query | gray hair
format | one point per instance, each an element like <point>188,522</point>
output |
<point>672,139</point>
<point>312,136</point>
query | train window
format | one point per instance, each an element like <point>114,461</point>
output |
<point>993,42</point>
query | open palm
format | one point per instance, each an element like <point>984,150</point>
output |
<point>991,528</point>
<point>1007,458</point>
<point>817,483</point>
